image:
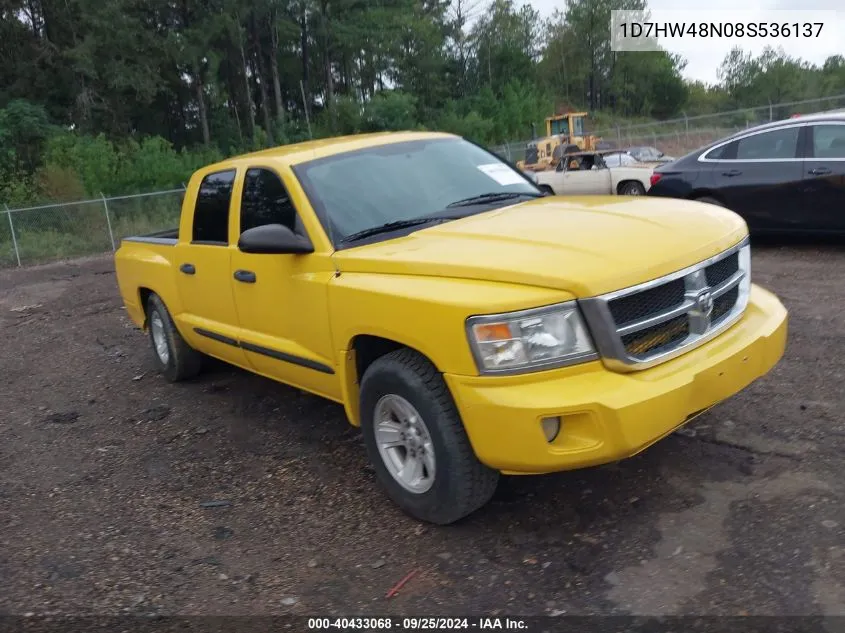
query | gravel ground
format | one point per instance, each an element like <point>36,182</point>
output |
<point>105,469</point>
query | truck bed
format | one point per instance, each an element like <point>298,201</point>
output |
<point>168,236</point>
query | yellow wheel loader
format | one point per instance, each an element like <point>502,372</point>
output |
<point>564,134</point>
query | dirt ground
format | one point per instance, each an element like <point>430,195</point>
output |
<point>105,467</point>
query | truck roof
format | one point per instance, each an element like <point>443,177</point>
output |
<point>310,150</point>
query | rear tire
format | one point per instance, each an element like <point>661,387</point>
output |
<point>547,189</point>
<point>429,470</point>
<point>632,189</point>
<point>174,358</point>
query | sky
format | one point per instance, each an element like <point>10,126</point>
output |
<point>704,56</point>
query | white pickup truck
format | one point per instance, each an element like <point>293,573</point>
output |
<point>587,173</point>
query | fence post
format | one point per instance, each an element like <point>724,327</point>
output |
<point>14,239</point>
<point>108,221</point>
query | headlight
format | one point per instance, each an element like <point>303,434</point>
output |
<point>530,340</point>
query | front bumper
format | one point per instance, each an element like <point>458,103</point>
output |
<point>607,416</point>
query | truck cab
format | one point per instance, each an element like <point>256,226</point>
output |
<point>220,294</point>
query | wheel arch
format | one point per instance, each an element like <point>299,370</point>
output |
<point>361,352</point>
<point>696,194</point>
<point>144,295</point>
<point>627,181</point>
<point>169,299</point>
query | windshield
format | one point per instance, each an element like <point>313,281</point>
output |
<point>364,189</point>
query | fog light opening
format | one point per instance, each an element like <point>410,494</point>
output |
<point>551,428</point>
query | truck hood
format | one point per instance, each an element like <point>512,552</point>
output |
<point>585,246</point>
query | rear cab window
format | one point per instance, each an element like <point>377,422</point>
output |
<point>211,212</point>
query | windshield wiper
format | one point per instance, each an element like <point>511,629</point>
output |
<point>392,226</point>
<point>491,197</point>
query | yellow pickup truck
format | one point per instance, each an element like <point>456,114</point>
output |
<point>469,324</point>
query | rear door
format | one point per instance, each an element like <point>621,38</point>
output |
<point>824,177</point>
<point>208,318</point>
<point>760,176</point>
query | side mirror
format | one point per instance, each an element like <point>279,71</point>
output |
<point>560,165</point>
<point>273,239</point>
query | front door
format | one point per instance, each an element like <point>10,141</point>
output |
<point>586,175</point>
<point>207,317</point>
<point>282,300</point>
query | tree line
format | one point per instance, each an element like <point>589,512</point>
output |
<point>130,95</point>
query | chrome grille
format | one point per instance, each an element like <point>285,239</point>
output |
<point>650,323</point>
<point>722,305</point>
<point>722,270</point>
<point>656,337</point>
<point>632,308</point>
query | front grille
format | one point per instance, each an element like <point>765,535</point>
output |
<point>657,337</point>
<point>722,270</point>
<point>722,305</point>
<point>635,307</point>
<point>656,321</point>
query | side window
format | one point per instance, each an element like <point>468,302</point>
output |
<point>211,214</point>
<point>829,141</point>
<point>774,144</point>
<point>722,153</point>
<point>265,201</point>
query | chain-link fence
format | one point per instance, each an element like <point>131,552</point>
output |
<point>58,231</point>
<point>676,137</point>
<point>44,233</point>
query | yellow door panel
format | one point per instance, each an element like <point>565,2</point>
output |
<point>284,324</point>
<point>209,317</point>
<point>282,299</point>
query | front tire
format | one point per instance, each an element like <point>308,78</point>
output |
<point>417,443</point>
<point>174,358</point>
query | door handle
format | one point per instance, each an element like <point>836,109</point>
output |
<point>731,173</point>
<point>820,171</point>
<point>188,269</point>
<point>246,276</point>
